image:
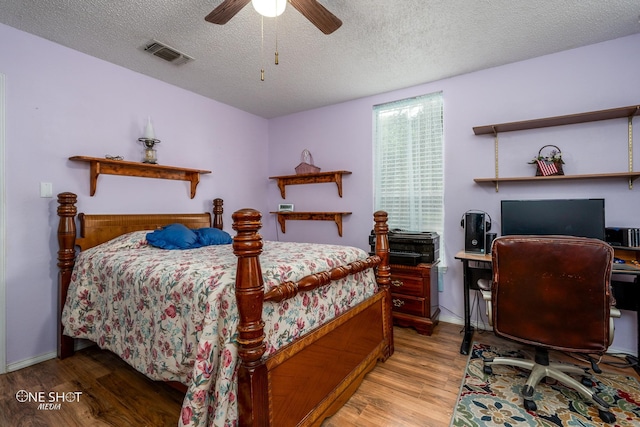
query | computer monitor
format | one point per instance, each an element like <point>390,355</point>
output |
<point>570,217</point>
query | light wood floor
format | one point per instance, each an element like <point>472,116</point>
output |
<point>418,386</point>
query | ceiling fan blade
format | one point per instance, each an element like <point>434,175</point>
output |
<point>319,16</point>
<point>225,11</point>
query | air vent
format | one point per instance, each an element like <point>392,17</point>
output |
<point>167,53</point>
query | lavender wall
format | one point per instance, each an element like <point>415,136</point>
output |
<point>62,103</point>
<point>591,78</point>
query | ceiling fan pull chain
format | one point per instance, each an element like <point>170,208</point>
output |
<point>262,48</point>
<point>276,60</point>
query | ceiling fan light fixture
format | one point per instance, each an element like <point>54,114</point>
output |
<point>269,8</point>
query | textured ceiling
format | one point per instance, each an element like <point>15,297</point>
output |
<point>382,45</point>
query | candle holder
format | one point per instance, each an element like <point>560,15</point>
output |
<point>149,154</point>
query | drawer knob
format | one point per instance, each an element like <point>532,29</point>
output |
<point>397,283</point>
<point>398,302</point>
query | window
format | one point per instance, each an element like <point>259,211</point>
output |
<point>409,163</point>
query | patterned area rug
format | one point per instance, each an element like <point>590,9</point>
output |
<point>495,400</point>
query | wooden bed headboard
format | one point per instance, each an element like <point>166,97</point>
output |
<point>97,229</point>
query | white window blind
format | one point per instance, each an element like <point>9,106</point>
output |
<point>409,163</point>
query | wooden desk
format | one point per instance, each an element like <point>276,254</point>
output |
<point>474,267</point>
<point>627,293</point>
<point>478,266</point>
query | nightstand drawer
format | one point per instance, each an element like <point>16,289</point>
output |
<point>408,305</point>
<point>414,296</point>
<point>407,285</point>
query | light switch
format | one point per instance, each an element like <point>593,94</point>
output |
<point>46,189</point>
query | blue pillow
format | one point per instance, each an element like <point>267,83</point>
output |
<point>173,236</point>
<point>212,236</point>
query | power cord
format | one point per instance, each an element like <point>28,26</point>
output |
<point>444,308</point>
<point>631,360</point>
<point>479,320</point>
<point>475,305</point>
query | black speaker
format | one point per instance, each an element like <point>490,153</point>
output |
<point>488,218</point>
<point>490,238</point>
<point>475,232</point>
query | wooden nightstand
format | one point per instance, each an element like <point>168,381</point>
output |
<point>414,295</point>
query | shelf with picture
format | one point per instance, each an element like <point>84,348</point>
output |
<point>549,167</point>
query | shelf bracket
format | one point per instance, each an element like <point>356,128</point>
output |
<point>94,173</point>
<point>495,155</point>
<point>630,148</point>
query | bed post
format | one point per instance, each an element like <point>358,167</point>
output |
<point>247,246</point>
<point>66,258</point>
<point>383,274</point>
<point>217,214</point>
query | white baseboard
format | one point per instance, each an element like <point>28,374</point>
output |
<point>458,321</point>
<point>31,361</point>
<point>78,345</point>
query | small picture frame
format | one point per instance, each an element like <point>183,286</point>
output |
<point>285,207</point>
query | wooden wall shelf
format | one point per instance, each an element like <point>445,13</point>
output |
<point>99,166</point>
<point>311,216</point>
<point>630,176</point>
<point>591,116</point>
<point>310,178</point>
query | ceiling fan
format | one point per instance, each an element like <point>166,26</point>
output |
<point>319,16</point>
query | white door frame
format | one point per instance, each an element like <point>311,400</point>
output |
<point>3,235</point>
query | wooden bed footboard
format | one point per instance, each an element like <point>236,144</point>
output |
<point>309,379</point>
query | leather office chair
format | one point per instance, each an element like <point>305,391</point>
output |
<point>552,292</point>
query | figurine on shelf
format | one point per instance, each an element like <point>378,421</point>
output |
<point>149,154</point>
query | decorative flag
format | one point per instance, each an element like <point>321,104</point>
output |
<point>547,168</point>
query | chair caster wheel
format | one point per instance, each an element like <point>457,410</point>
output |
<point>530,405</point>
<point>607,416</point>
<point>586,381</point>
<point>487,370</point>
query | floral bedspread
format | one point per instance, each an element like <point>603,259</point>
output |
<point>172,314</point>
